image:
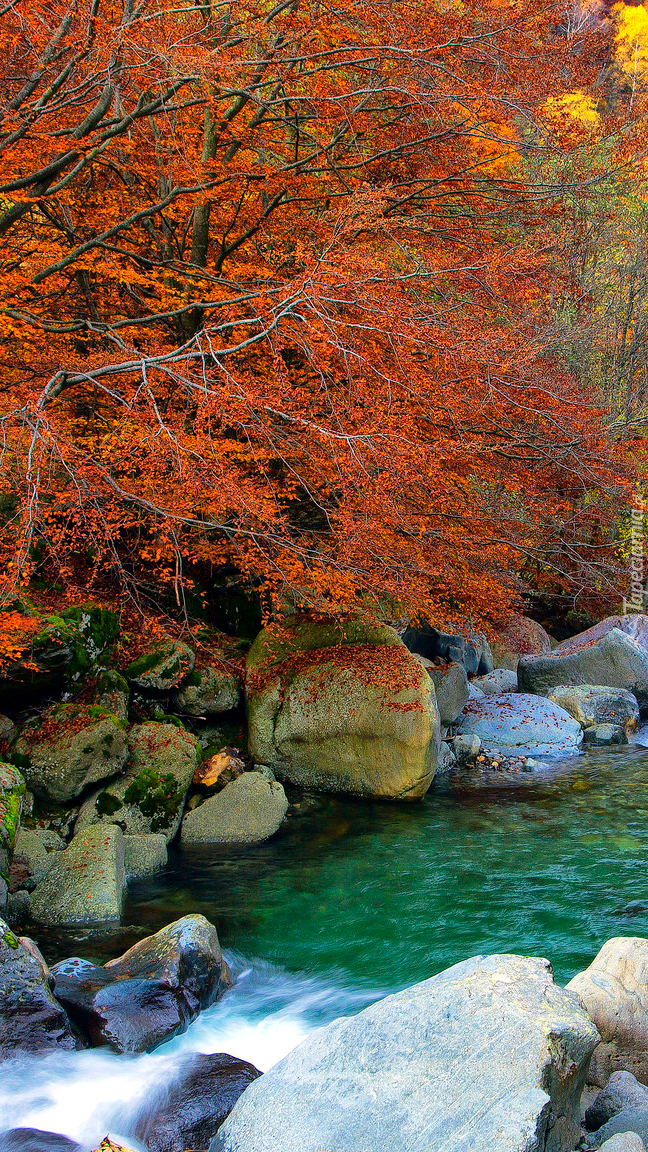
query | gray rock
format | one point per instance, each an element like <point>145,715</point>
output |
<point>49,839</point>
<point>31,860</point>
<point>81,746</point>
<point>447,758</point>
<point>17,908</point>
<point>12,791</point>
<point>466,748</point>
<point>596,704</point>
<point>451,687</point>
<point>151,993</point>
<point>86,882</point>
<point>628,1130</point>
<point>208,692</point>
<point>150,796</point>
<point>248,810</point>
<point>162,667</point>
<point>624,1142</point>
<point>144,854</point>
<point>605,735</point>
<point>7,727</point>
<point>490,1056</point>
<point>521,724</point>
<point>474,693</point>
<point>498,681</point>
<point>613,654</point>
<point>31,1020</point>
<point>614,990</point>
<point>113,693</point>
<point>621,1092</point>
<point>473,651</point>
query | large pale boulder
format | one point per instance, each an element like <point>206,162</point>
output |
<point>521,724</point>
<point>31,1020</point>
<point>614,990</point>
<point>522,636</point>
<point>86,882</point>
<point>613,653</point>
<point>69,747</point>
<point>342,708</point>
<point>248,810</point>
<point>597,704</point>
<point>150,796</point>
<point>489,1056</point>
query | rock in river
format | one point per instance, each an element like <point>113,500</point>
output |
<point>342,707</point>
<point>489,1056</point>
<point>248,810</point>
<point>149,994</point>
<point>521,724</point>
<point>31,1020</point>
<point>596,704</point>
<point>86,882</point>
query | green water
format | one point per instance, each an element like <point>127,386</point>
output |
<point>384,895</point>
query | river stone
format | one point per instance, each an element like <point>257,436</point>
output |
<point>31,861</point>
<point>208,692</point>
<point>144,854</point>
<point>626,1132</point>
<point>613,653</point>
<point>113,693</point>
<point>248,810</point>
<point>621,1092</point>
<point>473,651</point>
<point>80,744</point>
<point>521,724</point>
<point>614,990</point>
<point>36,1140</point>
<point>31,1020</point>
<point>451,687</point>
<point>522,636</point>
<point>12,791</point>
<point>195,1104</point>
<point>596,704</point>
<point>489,1056</point>
<point>86,882</point>
<point>498,681</point>
<point>342,707</point>
<point>161,667</point>
<point>466,748</point>
<point>447,758</point>
<point>150,796</point>
<point>605,735</point>
<point>151,993</point>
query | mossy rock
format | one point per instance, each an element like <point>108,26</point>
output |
<point>342,707</point>
<point>208,692</point>
<point>12,790</point>
<point>150,796</point>
<point>162,667</point>
<point>70,747</point>
<point>62,647</point>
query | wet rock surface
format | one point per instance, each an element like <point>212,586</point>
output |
<point>31,1020</point>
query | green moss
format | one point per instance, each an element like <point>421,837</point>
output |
<point>145,663</point>
<point>106,804</point>
<point>158,797</point>
<point>10,940</point>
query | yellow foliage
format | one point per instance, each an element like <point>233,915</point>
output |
<point>574,106</point>
<point>631,38</point>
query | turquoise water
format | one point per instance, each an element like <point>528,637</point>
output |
<point>379,896</point>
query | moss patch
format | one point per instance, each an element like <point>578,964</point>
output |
<point>157,797</point>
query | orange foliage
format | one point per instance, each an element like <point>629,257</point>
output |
<point>271,298</point>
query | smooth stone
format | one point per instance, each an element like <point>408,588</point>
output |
<point>627,1128</point>
<point>151,993</point>
<point>498,681</point>
<point>248,810</point>
<point>18,908</point>
<point>592,704</point>
<point>473,652</point>
<point>86,882</point>
<point>31,1020</point>
<point>194,1105</point>
<point>624,1142</point>
<point>605,735</point>
<point>451,687</point>
<point>144,855</point>
<point>447,758</point>
<point>522,636</point>
<point>466,748</point>
<point>521,724</point>
<point>31,860</point>
<point>489,1056</point>
<point>614,990</point>
<point>35,1140</point>
<point>622,1091</point>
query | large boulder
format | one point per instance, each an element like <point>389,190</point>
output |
<point>69,747</point>
<point>12,791</point>
<point>451,688</point>
<point>522,636</point>
<point>521,724</point>
<point>31,1020</point>
<point>596,704</point>
<point>248,810</point>
<point>31,861</point>
<point>621,1092</point>
<point>86,882</point>
<point>208,692</point>
<point>194,1105</point>
<point>489,1056</point>
<point>626,1132</point>
<point>614,990</point>
<point>342,708</point>
<point>144,854</point>
<point>150,796</point>
<point>613,653</point>
<point>36,1140</point>
<point>471,651</point>
<point>161,667</point>
<point>151,993</point>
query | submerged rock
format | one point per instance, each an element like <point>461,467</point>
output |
<point>342,708</point>
<point>195,1105</point>
<point>613,653</point>
<point>69,747</point>
<point>150,796</point>
<point>614,990</point>
<point>86,882</point>
<point>151,993</point>
<point>605,735</point>
<point>521,724</point>
<point>161,667</point>
<point>31,1020</point>
<point>248,810</point>
<point>489,1056</point>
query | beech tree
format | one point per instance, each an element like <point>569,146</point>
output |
<point>274,296</point>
